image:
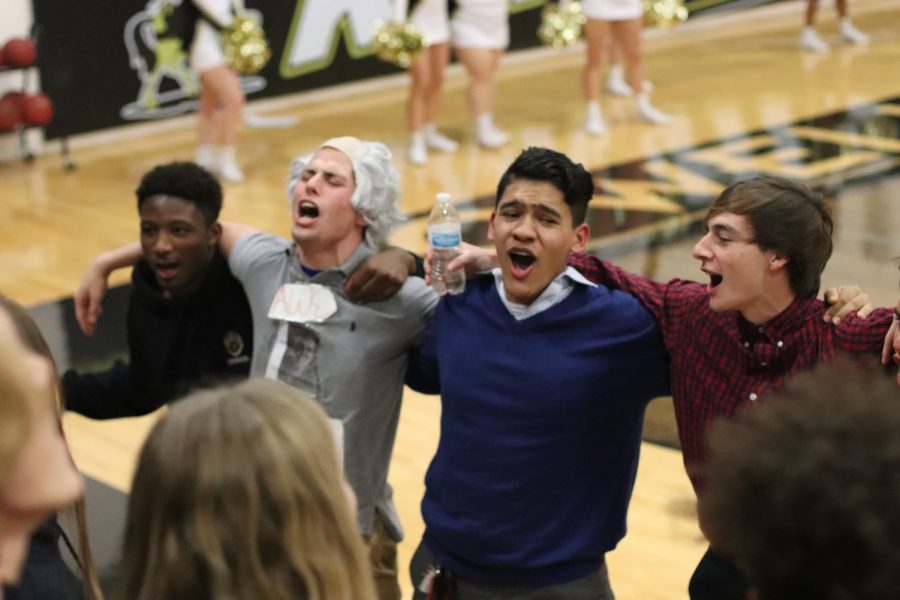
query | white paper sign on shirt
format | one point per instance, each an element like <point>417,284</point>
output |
<point>337,430</point>
<point>303,303</point>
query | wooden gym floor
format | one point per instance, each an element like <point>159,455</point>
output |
<point>745,100</point>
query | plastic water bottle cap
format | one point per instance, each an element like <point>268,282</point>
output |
<point>442,197</point>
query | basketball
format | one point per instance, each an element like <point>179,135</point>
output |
<point>10,115</point>
<point>37,110</point>
<point>19,52</point>
<point>17,97</point>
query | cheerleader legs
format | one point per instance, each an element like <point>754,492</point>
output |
<point>218,122</point>
<point>811,40</point>
<point>627,35</point>
<point>481,64</point>
<point>426,81</point>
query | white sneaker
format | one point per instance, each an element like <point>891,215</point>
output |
<point>648,113</point>
<point>229,171</point>
<point>492,138</point>
<point>615,84</point>
<point>595,125</point>
<point>593,119</point>
<point>853,35</point>
<point>622,89</point>
<point>437,141</point>
<point>810,40</point>
<point>206,157</point>
<point>226,166</point>
<point>417,154</point>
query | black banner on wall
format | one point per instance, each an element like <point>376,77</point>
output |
<point>108,63</point>
<point>104,65</point>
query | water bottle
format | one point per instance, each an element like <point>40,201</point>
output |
<point>444,236</point>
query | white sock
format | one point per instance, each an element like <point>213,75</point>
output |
<point>228,167</point>
<point>809,39</point>
<point>616,72</point>
<point>648,112</point>
<point>851,33</point>
<point>435,139</point>
<point>418,153</point>
<point>488,134</point>
<point>593,122</point>
<point>205,156</point>
<point>615,82</point>
<point>226,153</point>
<point>484,123</point>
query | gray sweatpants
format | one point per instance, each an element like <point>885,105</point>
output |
<point>593,587</point>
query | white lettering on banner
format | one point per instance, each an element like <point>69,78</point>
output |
<point>302,303</point>
<point>318,25</point>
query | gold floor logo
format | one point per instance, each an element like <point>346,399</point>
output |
<point>663,197</point>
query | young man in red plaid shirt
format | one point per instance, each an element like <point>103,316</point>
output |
<point>754,324</point>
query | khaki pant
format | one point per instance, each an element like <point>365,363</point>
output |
<point>383,557</point>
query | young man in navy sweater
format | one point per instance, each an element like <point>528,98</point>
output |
<point>754,325</point>
<point>544,378</point>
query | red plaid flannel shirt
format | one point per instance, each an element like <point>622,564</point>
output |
<point>721,361</point>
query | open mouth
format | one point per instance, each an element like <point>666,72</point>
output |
<point>521,262</point>
<point>166,271</point>
<point>714,279</point>
<point>307,210</point>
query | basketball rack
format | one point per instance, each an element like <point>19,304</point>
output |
<point>21,129</point>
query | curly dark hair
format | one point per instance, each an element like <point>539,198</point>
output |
<point>804,490</point>
<point>186,180</point>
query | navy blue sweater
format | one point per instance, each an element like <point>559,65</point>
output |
<point>540,431</point>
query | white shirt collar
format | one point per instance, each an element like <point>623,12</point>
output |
<point>557,291</point>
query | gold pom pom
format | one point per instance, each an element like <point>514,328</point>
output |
<point>245,46</point>
<point>664,13</point>
<point>398,43</point>
<point>561,24</point>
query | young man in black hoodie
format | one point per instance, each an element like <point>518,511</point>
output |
<point>188,318</point>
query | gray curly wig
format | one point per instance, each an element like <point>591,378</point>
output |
<point>377,189</point>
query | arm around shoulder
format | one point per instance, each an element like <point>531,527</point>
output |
<point>614,277</point>
<point>231,233</point>
<point>423,373</point>
<point>108,394</point>
<point>858,335</point>
<point>381,275</point>
<point>668,301</point>
<point>89,296</point>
